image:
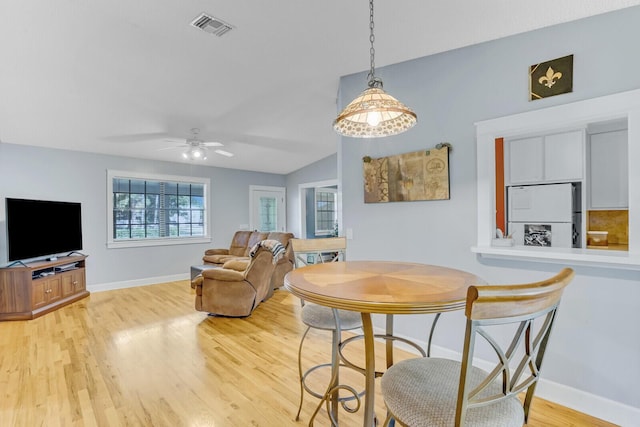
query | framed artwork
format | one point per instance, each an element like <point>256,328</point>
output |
<point>551,78</point>
<point>420,175</point>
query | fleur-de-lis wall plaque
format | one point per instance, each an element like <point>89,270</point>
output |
<point>551,78</point>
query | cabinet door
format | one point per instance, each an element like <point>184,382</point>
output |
<point>54,289</point>
<point>78,280</point>
<point>68,287</point>
<point>39,293</point>
<point>525,160</point>
<point>609,170</point>
<point>72,282</point>
<point>563,156</point>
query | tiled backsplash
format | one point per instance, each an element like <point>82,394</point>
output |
<point>615,222</point>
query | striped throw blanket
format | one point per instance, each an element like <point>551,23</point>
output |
<point>275,247</point>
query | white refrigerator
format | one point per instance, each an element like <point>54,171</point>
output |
<point>545,215</point>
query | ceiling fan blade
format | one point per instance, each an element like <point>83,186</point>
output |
<point>212,144</point>
<point>136,137</point>
<point>172,148</point>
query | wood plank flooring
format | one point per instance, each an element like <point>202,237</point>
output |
<point>144,357</point>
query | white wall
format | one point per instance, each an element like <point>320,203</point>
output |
<point>39,173</point>
<point>592,363</point>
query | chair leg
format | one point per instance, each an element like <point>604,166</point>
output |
<point>300,372</point>
<point>331,394</point>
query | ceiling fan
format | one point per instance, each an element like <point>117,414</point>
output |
<point>197,149</point>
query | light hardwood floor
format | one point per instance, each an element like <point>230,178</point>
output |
<point>144,357</point>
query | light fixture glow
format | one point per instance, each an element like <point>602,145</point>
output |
<point>195,152</point>
<point>374,113</point>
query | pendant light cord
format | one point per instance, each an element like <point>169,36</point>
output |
<point>373,81</point>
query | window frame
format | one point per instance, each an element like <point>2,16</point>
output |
<point>320,231</point>
<point>113,243</point>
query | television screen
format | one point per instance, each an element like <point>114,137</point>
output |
<point>37,228</point>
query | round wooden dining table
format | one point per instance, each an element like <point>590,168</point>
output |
<point>383,287</point>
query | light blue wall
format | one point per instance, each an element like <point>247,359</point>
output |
<point>595,348</point>
<point>39,173</point>
<point>322,170</point>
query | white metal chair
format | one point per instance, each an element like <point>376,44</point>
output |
<point>441,392</point>
<point>314,251</point>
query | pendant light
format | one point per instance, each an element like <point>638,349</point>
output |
<point>374,113</point>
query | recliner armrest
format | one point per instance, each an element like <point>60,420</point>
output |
<point>237,264</point>
<point>216,252</point>
<point>197,281</point>
<point>223,274</point>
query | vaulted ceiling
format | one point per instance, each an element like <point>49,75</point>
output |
<point>133,78</point>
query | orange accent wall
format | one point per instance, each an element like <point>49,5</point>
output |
<point>500,218</point>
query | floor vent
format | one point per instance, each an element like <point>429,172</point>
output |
<point>211,25</point>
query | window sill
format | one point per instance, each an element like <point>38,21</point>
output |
<point>157,242</point>
<point>587,257</point>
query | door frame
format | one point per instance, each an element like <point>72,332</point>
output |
<point>303,207</point>
<point>282,210</point>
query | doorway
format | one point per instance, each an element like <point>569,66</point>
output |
<point>320,209</point>
<point>268,207</point>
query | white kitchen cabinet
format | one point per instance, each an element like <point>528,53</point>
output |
<point>544,159</point>
<point>609,170</point>
<point>526,160</point>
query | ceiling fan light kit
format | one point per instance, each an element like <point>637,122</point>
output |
<point>195,152</point>
<point>197,149</point>
<point>374,113</point>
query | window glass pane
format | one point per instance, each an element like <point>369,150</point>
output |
<point>197,216</point>
<point>184,202</point>
<point>197,190</point>
<point>268,214</point>
<point>120,200</point>
<point>152,201</point>
<point>137,216</point>
<point>121,216</point>
<point>184,216</point>
<point>171,201</point>
<point>137,186</point>
<point>121,231</point>
<point>157,209</point>
<point>137,231</point>
<point>170,188</point>
<point>197,202</point>
<point>152,216</point>
<point>120,185</point>
<point>137,201</point>
<point>153,187</point>
<point>153,231</point>
<point>184,189</point>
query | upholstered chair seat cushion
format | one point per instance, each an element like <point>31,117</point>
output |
<point>423,392</point>
<point>321,317</point>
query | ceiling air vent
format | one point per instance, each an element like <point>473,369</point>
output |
<point>211,25</point>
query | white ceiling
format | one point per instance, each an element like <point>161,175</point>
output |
<point>129,77</point>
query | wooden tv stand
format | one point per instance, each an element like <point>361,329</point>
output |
<point>31,290</point>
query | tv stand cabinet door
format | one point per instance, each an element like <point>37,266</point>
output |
<point>45,292</point>
<point>72,282</point>
<point>39,294</point>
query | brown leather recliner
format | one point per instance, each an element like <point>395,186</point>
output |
<point>228,292</point>
<point>240,247</point>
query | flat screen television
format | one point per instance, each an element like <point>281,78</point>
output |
<point>38,228</point>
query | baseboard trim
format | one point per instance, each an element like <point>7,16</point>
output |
<point>139,282</point>
<point>578,400</point>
